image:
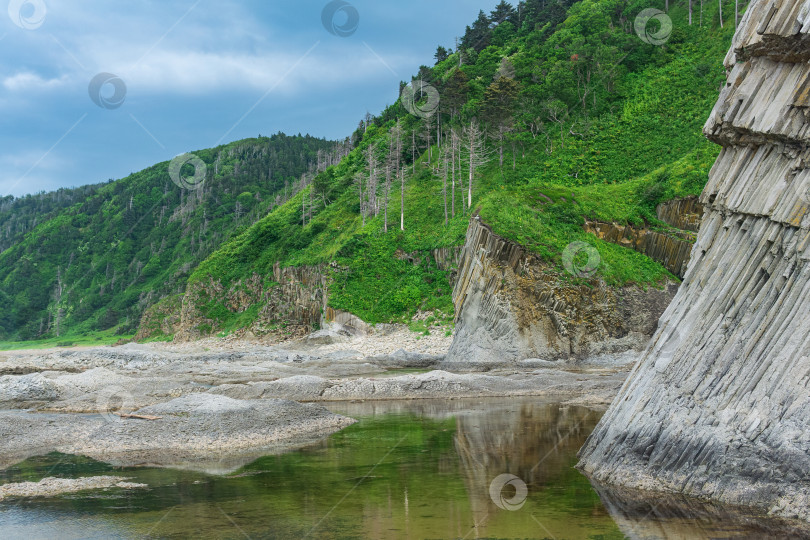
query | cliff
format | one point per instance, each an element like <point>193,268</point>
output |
<point>719,404</point>
<point>290,305</point>
<point>511,305</point>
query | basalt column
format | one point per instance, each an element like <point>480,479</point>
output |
<point>719,404</point>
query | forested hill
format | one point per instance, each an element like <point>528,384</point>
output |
<point>94,258</point>
<point>19,215</point>
<point>544,116</point>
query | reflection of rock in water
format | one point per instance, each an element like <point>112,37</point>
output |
<point>642,515</point>
<point>535,442</point>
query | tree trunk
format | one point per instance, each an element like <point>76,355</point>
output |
<point>720,6</point>
<point>402,201</point>
<point>453,169</point>
<point>736,13</point>
<point>413,152</point>
<point>444,186</point>
<point>472,173</point>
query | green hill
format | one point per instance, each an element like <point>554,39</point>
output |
<point>568,113</point>
<point>583,120</point>
<point>100,260</point>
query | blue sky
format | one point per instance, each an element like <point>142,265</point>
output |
<point>195,73</point>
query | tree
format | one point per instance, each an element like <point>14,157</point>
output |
<point>397,137</point>
<point>373,164</point>
<point>477,36</point>
<point>390,164</point>
<point>358,182</point>
<point>427,136</point>
<point>557,112</point>
<point>720,7</point>
<point>477,155</point>
<point>499,104</point>
<point>454,152</point>
<point>503,12</point>
<point>454,93</point>
<point>441,54</point>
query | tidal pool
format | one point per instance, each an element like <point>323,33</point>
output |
<point>416,469</point>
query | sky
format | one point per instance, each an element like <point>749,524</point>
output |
<point>93,90</point>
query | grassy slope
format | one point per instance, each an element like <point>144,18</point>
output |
<point>646,148</point>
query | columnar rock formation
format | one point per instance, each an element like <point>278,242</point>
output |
<point>719,404</point>
<point>669,247</point>
<point>512,305</point>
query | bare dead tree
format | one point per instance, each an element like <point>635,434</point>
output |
<point>390,164</point>
<point>413,150</point>
<point>454,144</point>
<point>736,13</point>
<point>371,188</point>
<point>427,136</point>
<point>358,182</point>
<point>720,7</point>
<point>397,134</point>
<point>444,171</point>
<point>557,112</point>
<point>477,157</point>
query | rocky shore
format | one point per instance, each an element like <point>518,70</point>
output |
<point>215,405</point>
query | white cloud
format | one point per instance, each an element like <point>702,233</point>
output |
<point>198,73</point>
<point>27,81</point>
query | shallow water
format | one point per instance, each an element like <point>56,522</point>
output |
<point>417,469</point>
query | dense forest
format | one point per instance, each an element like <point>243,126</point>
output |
<point>540,115</point>
<point>97,257</point>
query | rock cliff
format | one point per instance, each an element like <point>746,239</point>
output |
<point>719,405</point>
<point>296,297</point>
<point>510,305</point>
<point>670,248</point>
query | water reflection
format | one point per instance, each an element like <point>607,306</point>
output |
<point>411,469</point>
<point>642,515</point>
<point>532,441</point>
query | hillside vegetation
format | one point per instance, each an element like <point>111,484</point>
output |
<point>98,261</point>
<point>570,116</point>
<point>544,117</point>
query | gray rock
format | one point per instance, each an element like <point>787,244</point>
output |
<point>405,359</point>
<point>718,406</point>
<point>510,306</point>
<point>34,387</point>
<point>325,337</point>
<point>533,363</point>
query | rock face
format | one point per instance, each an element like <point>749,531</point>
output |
<point>297,296</point>
<point>510,306</point>
<point>670,248</point>
<point>685,214</point>
<point>719,405</point>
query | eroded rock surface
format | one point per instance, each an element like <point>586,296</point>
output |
<point>719,405</point>
<point>512,306</point>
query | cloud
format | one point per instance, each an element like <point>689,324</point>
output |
<point>196,73</point>
<point>27,81</point>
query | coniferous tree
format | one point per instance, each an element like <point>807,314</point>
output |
<point>441,54</point>
<point>477,36</point>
